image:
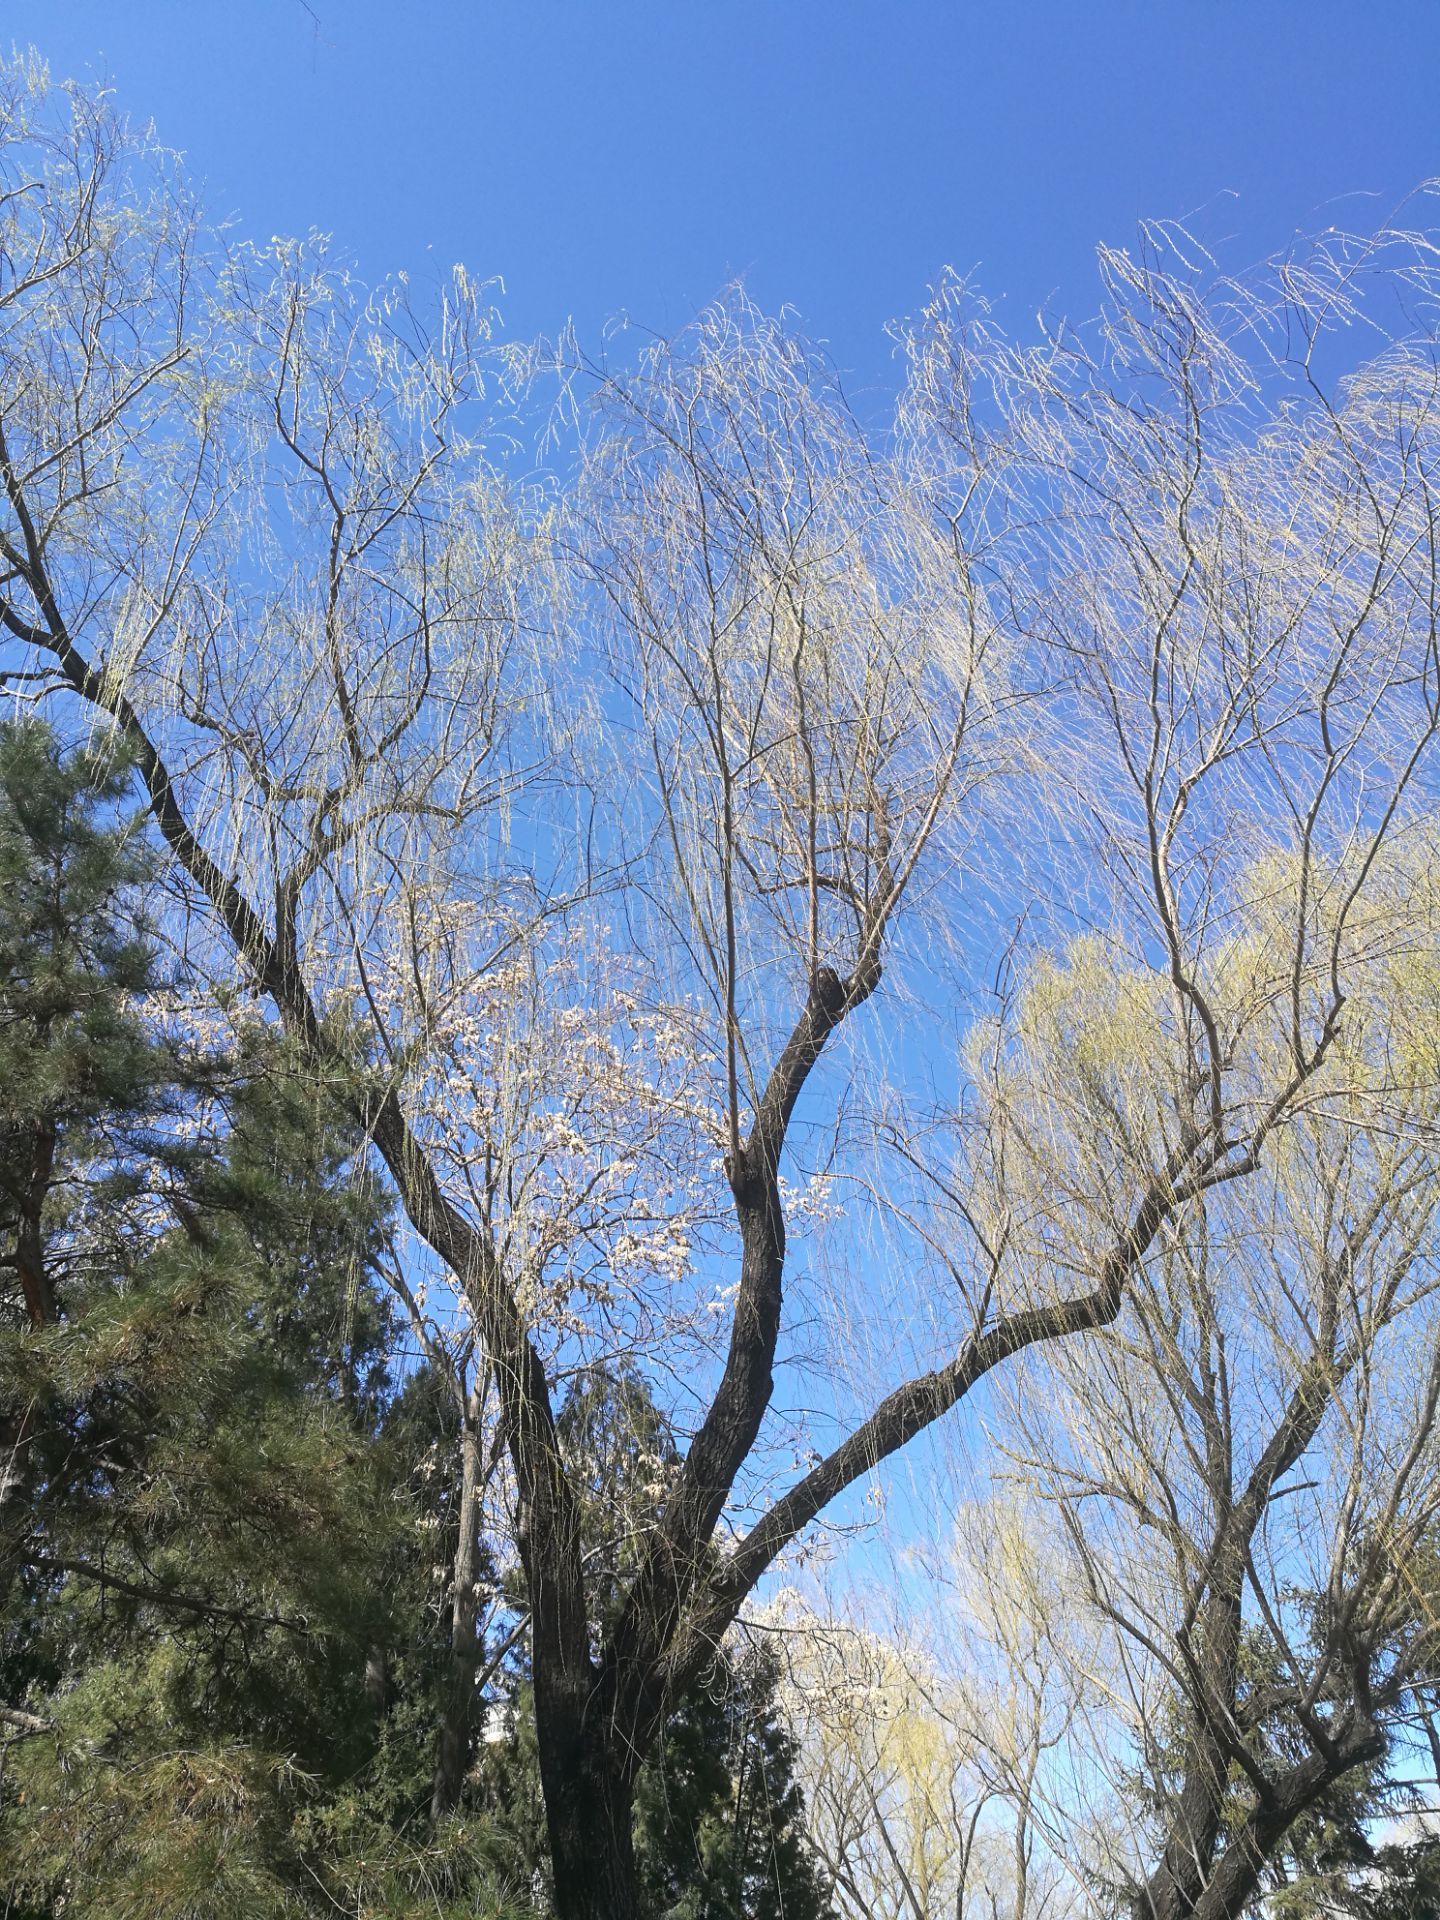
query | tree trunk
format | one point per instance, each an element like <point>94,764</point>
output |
<point>589,1809</point>
<point>1231,1887</point>
<point>1194,1835</point>
<point>452,1744</point>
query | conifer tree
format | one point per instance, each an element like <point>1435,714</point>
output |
<point>209,1513</point>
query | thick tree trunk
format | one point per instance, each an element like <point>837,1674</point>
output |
<point>589,1809</point>
<point>1235,1879</point>
<point>1185,1865</point>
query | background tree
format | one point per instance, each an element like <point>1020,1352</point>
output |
<point>930,1714</point>
<point>209,1501</point>
<point>74,1060</point>
<point>1240,1472</point>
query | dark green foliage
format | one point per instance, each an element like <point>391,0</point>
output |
<point>211,1525</point>
<point>79,1078</point>
<point>1331,1861</point>
<point>1400,1881</point>
<point>720,1820</point>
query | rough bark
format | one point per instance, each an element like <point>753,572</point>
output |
<point>1234,1879</point>
<point>589,1807</point>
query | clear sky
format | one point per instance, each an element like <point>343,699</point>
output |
<point>609,156</point>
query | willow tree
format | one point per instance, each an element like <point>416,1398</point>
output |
<point>1241,552</point>
<point>717,712</point>
<point>1235,1487</point>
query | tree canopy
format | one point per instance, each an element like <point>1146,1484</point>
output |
<point>598,955</point>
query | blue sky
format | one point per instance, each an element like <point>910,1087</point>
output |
<point>609,156</point>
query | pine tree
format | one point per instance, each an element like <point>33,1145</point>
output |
<point>210,1519</point>
<point>719,1811</point>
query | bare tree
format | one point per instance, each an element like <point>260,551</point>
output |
<point>251,523</point>
<point>1242,1465</point>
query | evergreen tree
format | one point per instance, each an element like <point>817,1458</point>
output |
<point>719,1812</point>
<point>209,1506</point>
